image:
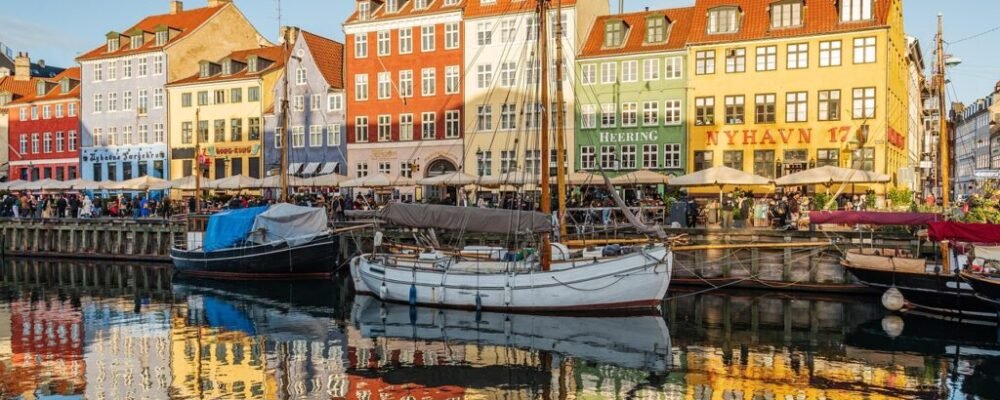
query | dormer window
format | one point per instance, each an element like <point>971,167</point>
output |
<point>137,41</point>
<point>614,33</point>
<point>656,29</point>
<point>392,6</point>
<point>855,10</point>
<point>227,68</point>
<point>64,86</point>
<point>40,88</point>
<point>205,70</point>
<point>252,64</point>
<point>364,10</point>
<point>162,37</point>
<point>421,4</point>
<point>113,45</point>
<point>723,20</point>
<point>786,15</point>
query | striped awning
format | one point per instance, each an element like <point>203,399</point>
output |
<point>294,168</point>
<point>328,168</point>
<point>310,168</point>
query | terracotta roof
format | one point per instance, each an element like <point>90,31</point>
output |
<point>819,16</point>
<point>273,53</point>
<point>19,88</point>
<point>184,21</point>
<point>406,10</point>
<point>635,37</point>
<point>329,57</point>
<point>55,93</point>
<point>477,9</point>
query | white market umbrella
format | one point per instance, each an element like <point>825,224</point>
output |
<point>377,181</point>
<point>141,183</point>
<point>234,182</point>
<point>719,176</point>
<point>515,178</point>
<point>829,175</point>
<point>185,183</point>
<point>640,177</point>
<point>581,178</point>
<point>274,181</point>
<point>84,184</point>
<point>329,180</point>
<point>457,178</point>
<point>43,184</point>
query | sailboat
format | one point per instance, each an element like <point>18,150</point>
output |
<point>628,279</point>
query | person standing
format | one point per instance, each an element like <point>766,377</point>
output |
<point>728,206</point>
<point>61,207</point>
<point>746,209</point>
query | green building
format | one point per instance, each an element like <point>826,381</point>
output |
<point>631,93</point>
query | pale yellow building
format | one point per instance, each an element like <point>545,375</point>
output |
<point>216,116</point>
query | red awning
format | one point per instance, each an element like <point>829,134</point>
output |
<point>960,232</point>
<point>872,218</point>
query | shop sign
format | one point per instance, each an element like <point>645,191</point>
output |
<point>124,153</point>
<point>238,150</point>
<point>789,136</point>
<point>629,137</point>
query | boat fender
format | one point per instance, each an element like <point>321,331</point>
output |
<point>413,294</point>
<point>507,327</point>
<point>383,313</point>
<point>413,315</point>
<point>893,325</point>
<point>383,292</point>
<point>893,299</point>
<point>378,239</point>
<point>507,295</point>
<point>479,303</point>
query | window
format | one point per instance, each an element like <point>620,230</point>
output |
<point>361,45</point>
<point>798,56</point>
<point>484,75</point>
<point>405,83</point>
<point>34,113</point>
<point>864,103</point>
<point>253,128</point>
<point>656,30</point>
<point>112,104</point>
<point>127,137</point>
<point>127,68</point>
<point>588,116</point>
<point>451,36</point>
<point>406,169</point>
<point>361,129</point>
<point>765,108</point>
<point>60,142</point>
<point>384,128</point>
<point>452,80</point>
<point>508,117</point>
<point>674,67</point>
<point>46,112</point>
<point>279,138</point>
<point>532,115</point>
<point>533,162</point>
<point>333,135</point>
<point>704,110</point>
<point>23,143</point>
<point>143,101</point>
<point>24,112</point>
<point>614,33</point>
<point>162,37</point>
<point>299,102</point>
<point>531,28</point>
<point>630,114</point>
<point>855,10</point>
<point>630,71</point>
<point>71,109</point>
<point>864,159</point>
<point>427,38</point>
<point>158,65</point>
<point>786,15</point>
<point>202,98</point>
<point>484,163</point>
<point>406,41</point>
<point>34,143</point>
<point>361,87</point>
<point>588,74</point>
<point>609,157</point>
<point>236,129</point>
<point>405,126</point>
<point>864,50</point>
<point>253,94</point>
<point>484,34</point>
<point>704,62</point>
<point>127,101</point>
<point>59,110</point>
<point>220,130</point>
<point>508,74</point>
<point>609,72</point>
<point>628,156</point>
<point>650,113</point>
<point>203,131</point>
<point>384,86</point>
<point>763,163</point>
<point>587,158</point>
<point>158,133</point>
<point>609,116</point>
<point>484,117</point>
<point>384,167</point>
<point>382,46</point>
<point>48,142</point>
<point>428,126</point>
<point>532,69</point>
<point>829,53</point>
<point>735,109</point>
<point>736,60</point>
<point>143,67</point>
<point>507,30</point>
<point>828,157</point>
<point>428,82</point>
<point>144,133</point>
<point>220,97</point>
<point>672,112</point>
<point>704,160</point>
<point>362,169</point>
<point>72,141</point>
<point>186,132</point>
<point>733,159</point>
<point>796,107</point>
<point>651,69</point>
<point>671,155</point>
<point>112,70</point>
<point>767,58</point>
<point>98,72</point>
<point>829,105</point>
<point>723,20</point>
<point>452,124</point>
<point>508,161</point>
<point>334,102</point>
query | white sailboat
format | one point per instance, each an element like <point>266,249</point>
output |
<point>633,279</point>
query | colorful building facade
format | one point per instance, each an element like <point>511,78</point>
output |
<point>404,88</point>
<point>503,110</point>
<point>780,88</point>
<point>124,113</point>
<point>44,130</point>
<point>218,114</point>
<point>631,93</point>
<point>317,145</point>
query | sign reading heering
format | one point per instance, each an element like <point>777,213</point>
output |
<point>613,137</point>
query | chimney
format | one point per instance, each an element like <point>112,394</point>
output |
<point>176,6</point>
<point>218,3</point>
<point>289,33</point>
<point>22,67</point>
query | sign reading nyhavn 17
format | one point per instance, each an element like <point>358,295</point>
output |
<point>786,136</point>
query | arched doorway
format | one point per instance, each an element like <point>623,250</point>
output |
<point>437,167</point>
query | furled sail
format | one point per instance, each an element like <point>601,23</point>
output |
<point>469,219</point>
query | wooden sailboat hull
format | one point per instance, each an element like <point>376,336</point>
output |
<point>633,282</point>
<point>986,289</point>
<point>314,259</point>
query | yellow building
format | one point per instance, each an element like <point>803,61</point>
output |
<point>781,86</point>
<point>224,104</point>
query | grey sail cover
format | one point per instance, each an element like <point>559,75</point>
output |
<point>469,219</point>
<point>286,222</point>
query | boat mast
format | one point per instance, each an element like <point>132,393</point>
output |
<point>943,138</point>
<point>546,197</point>
<point>283,168</point>
<point>197,162</point>
<point>560,124</point>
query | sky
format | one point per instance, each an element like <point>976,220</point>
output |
<point>66,28</point>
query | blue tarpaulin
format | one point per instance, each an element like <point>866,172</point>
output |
<point>229,227</point>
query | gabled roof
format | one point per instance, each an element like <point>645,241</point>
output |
<point>18,88</point>
<point>635,38</point>
<point>406,9</point>
<point>818,16</point>
<point>500,7</point>
<point>45,70</point>
<point>185,22</point>
<point>54,93</point>
<point>329,57</point>
<point>276,54</point>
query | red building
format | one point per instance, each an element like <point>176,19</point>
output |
<point>44,130</point>
<point>404,73</point>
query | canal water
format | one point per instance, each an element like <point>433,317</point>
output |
<point>121,331</point>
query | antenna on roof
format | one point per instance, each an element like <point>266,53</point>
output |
<point>621,7</point>
<point>279,15</point>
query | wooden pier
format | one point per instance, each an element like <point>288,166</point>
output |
<point>100,239</point>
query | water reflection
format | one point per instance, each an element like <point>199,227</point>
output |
<point>119,331</point>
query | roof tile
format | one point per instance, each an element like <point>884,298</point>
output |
<point>185,21</point>
<point>329,57</point>
<point>273,53</point>
<point>55,93</point>
<point>407,10</point>
<point>635,38</point>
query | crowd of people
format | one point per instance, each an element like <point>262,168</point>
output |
<point>72,205</point>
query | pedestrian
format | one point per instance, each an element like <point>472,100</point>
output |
<point>692,212</point>
<point>61,205</point>
<point>728,206</point>
<point>746,209</point>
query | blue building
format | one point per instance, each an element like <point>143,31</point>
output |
<point>317,145</point>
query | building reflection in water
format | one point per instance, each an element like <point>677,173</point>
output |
<point>116,331</point>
